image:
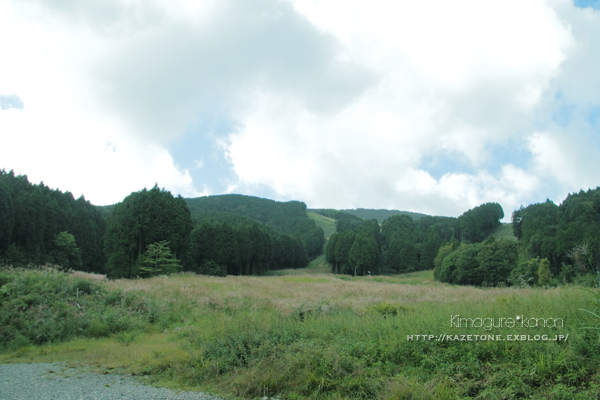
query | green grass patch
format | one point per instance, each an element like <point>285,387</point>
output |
<point>320,337</point>
<point>504,231</point>
<point>328,224</point>
<point>344,354</point>
<point>306,279</point>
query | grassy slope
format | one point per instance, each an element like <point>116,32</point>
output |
<point>337,337</point>
<point>319,265</point>
<point>504,231</point>
<point>381,215</point>
<point>328,224</point>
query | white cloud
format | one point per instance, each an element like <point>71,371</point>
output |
<point>198,164</point>
<point>59,137</point>
<point>456,79</point>
<point>337,103</point>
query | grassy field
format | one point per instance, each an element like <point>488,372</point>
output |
<point>322,336</point>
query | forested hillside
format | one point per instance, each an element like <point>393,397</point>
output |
<point>152,232</point>
<point>226,243</point>
<point>39,225</point>
<point>556,244</point>
<point>403,244</point>
<point>567,235</point>
<point>344,221</point>
<point>287,218</point>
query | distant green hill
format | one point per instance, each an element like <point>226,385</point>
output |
<point>381,215</point>
<point>106,211</point>
<point>284,217</point>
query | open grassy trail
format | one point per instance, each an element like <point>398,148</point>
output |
<point>328,224</point>
<point>323,336</point>
<point>504,231</point>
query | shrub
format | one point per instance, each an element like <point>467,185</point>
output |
<point>42,308</point>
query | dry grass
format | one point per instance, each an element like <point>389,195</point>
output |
<point>87,275</point>
<point>290,293</point>
<point>208,324</point>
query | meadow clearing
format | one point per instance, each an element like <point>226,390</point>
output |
<point>310,334</point>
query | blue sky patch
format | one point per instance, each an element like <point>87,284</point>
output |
<point>595,4</point>
<point>198,152</point>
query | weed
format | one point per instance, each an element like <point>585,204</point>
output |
<point>309,336</point>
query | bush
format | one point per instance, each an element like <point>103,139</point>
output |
<point>587,280</point>
<point>210,267</point>
<point>41,308</point>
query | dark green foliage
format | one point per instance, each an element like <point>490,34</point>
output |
<point>401,256</point>
<point>287,218</point>
<point>567,235</point>
<point>145,217</point>
<point>544,272</point>
<point>37,308</point>
<point>67,253</point>
<point>430,248</point>
<point>344,243</point>
<point>106,211</point>
<point>481,264</point>
<point>363,254</point>
<point>355,251</point>
<point>210,267</point>
<point>468,269</point>
<point>526,272</point>
<point>474,225</point>
<point>248,248</point>
<point>409,245</point>
<point>330,251</point>
<point>439,259</point>
<point>403,245</point>
<point>32,217</point>
<point>382,215</point>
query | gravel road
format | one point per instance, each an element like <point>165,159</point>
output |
<point>56,381</point>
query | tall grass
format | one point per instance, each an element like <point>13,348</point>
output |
<point>322,337</point>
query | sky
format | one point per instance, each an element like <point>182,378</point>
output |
<point>432,107</point>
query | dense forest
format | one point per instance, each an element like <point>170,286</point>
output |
<point>288,218</point>
<point>39,225</point>
<point>556,244</point>
<point>152,232</point>
<point>402,244</point>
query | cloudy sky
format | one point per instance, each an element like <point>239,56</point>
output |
<point>428,106</point>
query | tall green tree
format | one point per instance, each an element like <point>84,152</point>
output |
<point>362,256</point>
<point>67,254</point>
<point>430,248</point>
<point>145,217</point>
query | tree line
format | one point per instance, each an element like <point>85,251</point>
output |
<point>287,218</point>
<point>555,244</point>
<point>567,235</point>
<point>39,225</point>
<point>150,232</point>
<point>402,244</point>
